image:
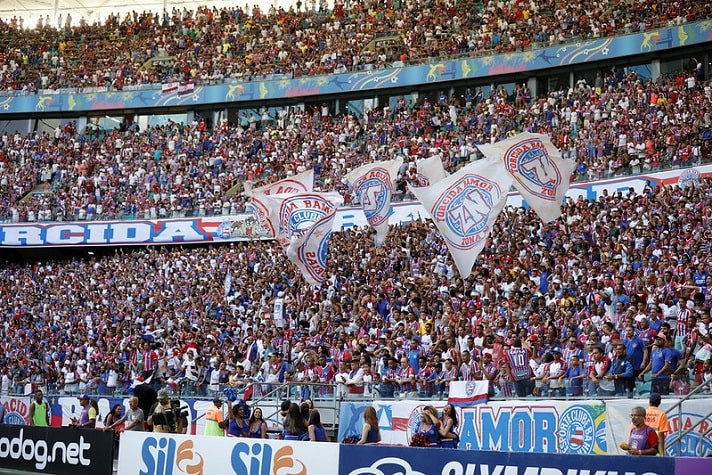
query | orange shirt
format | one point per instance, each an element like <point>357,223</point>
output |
<point>657,419</point>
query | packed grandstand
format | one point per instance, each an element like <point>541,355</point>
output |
<point>630,268</point>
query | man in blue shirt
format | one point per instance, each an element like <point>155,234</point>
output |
<point>659,366</point>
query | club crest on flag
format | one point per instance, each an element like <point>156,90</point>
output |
<point>375,188</point>
<point>529,163</point>
<point>300,212</point>
<point>465,207</point>
<point>305,221</point>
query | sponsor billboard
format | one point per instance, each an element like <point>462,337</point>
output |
<point>56,450</point>
<point>149,453</point>
<point>378,460</point>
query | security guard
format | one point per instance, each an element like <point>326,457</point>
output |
<point>215,423</point>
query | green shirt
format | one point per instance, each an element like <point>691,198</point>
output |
<point>39,416</point>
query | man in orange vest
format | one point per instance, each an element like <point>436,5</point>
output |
<point>658,420</point>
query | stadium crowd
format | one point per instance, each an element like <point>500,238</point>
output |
<point>550,309</point>
<point>616,125</point>
<point>213,45</point>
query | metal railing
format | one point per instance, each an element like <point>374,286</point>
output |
<point>703,420</point>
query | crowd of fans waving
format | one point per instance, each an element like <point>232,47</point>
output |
<point>615,292</point>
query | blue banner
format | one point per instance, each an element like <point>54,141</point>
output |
<point>382,460</point>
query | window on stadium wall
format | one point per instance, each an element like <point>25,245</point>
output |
<point>155,120</point>
<point>354,107</point>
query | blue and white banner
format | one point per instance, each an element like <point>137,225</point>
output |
<point>373,184</point>
<point>563,427</point>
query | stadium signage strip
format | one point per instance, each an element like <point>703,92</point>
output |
<point>56,450</point>
<point>245,227</point>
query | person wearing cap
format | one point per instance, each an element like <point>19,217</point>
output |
<point>215,423</point>
<point>659,366</point>
<point>87,419</point>
<point>658,420</point>
<point>160,415</point>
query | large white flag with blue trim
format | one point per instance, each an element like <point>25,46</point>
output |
<point>540,174</point>
<point>464,207</point>
<point>373,184</point>
<point>303,225</point>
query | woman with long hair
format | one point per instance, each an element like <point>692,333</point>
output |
<point>448,423</point>
<point>258,426</point>
<point>430,426</point>
<point>370,433</point>
<point>316,430</point>
<point>238,426</point>
<point>295,427</point>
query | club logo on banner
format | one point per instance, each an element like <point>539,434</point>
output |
<point>540,174</point>
<point>530,160</point>
<point>576,427</point>
<point>373,183</point>
<point>465,208</point>
<point>375,189</point>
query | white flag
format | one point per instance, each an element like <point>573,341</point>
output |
<point>464,207</point>
<point>431,170</point>
<point>300,183</point>
<point>373,184</point>
<point>540,174</point>
<point>303,222</point>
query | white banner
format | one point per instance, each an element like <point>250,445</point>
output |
<point>540,174</point>
<point>154,453</point>
<point>431,170</point>
<point>373,183</point>
<point>303,224</point>
<point>464,206</point>
<point>300,183</point>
